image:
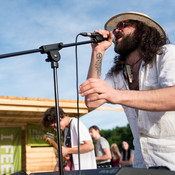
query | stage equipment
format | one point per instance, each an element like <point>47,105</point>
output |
<point>115,171</point>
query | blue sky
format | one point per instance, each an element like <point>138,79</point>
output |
<point>29,24</point>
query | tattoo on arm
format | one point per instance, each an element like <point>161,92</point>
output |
<point>98,64</point>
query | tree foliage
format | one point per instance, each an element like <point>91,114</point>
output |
<point>117,135</point>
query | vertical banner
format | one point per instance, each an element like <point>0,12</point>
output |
<point>10,150</point>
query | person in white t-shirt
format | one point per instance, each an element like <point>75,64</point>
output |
<point>142,80</point>
<point>69,125</point>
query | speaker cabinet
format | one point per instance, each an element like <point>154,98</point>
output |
<point>100,171</point>
<point>20,173</point>
<point>140,171</point>
<point>114,171</point>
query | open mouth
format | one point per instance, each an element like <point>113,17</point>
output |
<point>118,36</point>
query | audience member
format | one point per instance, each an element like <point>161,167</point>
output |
<point>116,156</point>
<point>127,155</point>
<point>103,153</point>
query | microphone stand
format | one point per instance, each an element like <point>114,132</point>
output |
<point>52,52</point>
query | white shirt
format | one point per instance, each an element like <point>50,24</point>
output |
<point>87,160</point>
<point>154,132</point>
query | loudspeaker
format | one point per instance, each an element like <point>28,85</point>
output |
<point>114,171</point>
<point>20,173</point>
<point>99,171</point>
<point>140,171</point>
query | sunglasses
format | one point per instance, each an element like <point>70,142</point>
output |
<point>121,25</point>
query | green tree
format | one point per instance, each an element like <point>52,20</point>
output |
<point>117,135</point>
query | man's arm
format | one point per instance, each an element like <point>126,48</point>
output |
<point>98,51</point>
<point>84,148</point>
<point>151,100</point>
<point>106,156</point>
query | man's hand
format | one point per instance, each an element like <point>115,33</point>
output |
<point>103,46</point>
<point>97,89</point>
<point>65,151</point>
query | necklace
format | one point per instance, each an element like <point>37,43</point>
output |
<point>130,71</point>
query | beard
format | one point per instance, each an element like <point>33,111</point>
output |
<point>128,44</point>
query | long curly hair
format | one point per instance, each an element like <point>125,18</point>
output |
<point>150,45</point>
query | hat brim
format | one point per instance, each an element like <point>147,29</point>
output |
<point>112,22</point>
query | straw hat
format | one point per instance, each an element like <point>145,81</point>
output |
<point>112,22</point>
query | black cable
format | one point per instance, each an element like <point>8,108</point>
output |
<point>78,114</point>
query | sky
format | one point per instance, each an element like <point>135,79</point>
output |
<point>30,24</point>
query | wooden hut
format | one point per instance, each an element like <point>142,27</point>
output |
<point>19,112</point>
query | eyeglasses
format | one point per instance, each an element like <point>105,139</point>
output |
<point>121,25</point>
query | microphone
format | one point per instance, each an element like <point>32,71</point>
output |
<point>96,36</point>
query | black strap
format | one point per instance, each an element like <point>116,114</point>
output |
<point>67,142</point>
